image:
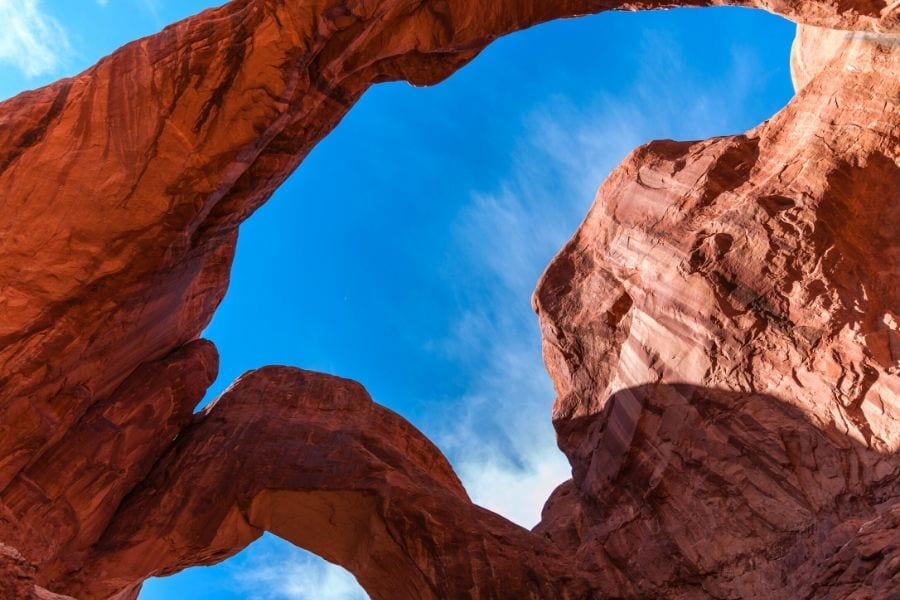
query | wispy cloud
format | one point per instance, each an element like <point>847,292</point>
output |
<point>282,572</point>
<point>32,42</point>
<point>502,443</point>
<point>151,7</point>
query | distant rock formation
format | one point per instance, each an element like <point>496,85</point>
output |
<point>722,330</point>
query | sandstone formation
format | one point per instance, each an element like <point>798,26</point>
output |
<point>17,578</point>
<point>361,487</point>
<point>722,330</point>
<point>722,334</point>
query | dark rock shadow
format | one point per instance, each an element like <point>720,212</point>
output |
<point>699,492</point>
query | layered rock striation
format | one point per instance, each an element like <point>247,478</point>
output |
<point>722,330</point>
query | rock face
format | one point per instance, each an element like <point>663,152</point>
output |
<point>722,334</point>
<point>17,578</point>
<point>722,330</point>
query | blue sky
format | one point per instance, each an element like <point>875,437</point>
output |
<point>404,250</point>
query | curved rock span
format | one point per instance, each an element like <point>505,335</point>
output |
<point>722,330</point>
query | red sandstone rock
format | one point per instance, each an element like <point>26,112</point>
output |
<point>312,459</point>
<point>722,330</point>
<point>64,501</point>
<point>17,578</point>
<point>722,333</point>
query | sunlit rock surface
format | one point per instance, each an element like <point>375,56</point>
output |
<point>722,334</point>
<point>722,330</point>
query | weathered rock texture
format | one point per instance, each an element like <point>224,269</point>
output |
<point>722,334</point>
<point>722,330</point>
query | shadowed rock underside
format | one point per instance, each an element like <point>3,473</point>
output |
<point>722,330</point>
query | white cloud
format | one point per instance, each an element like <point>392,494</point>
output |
<point>32,41</point>
<point>283,572</point>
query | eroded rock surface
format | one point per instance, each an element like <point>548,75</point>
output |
<point>722,333</point>
<point>722,330</point>
<point>17,578</point>
<point>332,472</point>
